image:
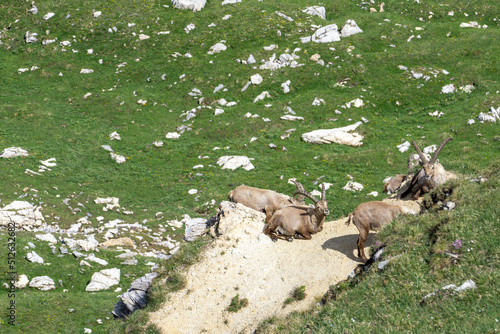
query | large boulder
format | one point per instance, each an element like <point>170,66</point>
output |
<point>231,216</point>
<point>43,283</point>
<point>337,135</point>
<point>326,34</point>
<point>23,214</point>
<point>350,28</point>
<point>135,297</point>
<point>104,279</point>
<point>233,162</point>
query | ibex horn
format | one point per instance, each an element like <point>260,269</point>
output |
<point>308,195</point>
<point>423,160</point>
<point>434,157</point>
<point>323,191</point>
<point>300,187</point>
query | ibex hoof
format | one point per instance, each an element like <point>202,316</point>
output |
<point>289,239</point>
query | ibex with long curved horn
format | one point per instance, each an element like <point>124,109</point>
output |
<point>264,200</point>
<point>299,221</point>
<point>430,176</point>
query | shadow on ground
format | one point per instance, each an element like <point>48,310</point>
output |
<point>347,244</point>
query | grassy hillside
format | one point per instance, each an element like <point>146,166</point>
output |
<point>140,88</point>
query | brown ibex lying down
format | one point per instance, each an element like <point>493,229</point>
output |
<point>371,216</point>
<point>264,200</point>
<point>299,221</point>
<point>430,176</point>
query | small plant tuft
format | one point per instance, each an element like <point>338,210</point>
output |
<point>298,293</point>
<point>237,304</point>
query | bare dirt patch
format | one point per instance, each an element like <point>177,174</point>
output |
<point>245,262</point>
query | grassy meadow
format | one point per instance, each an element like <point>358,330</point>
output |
<point>140,87</point>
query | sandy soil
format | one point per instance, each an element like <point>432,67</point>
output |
<point>246,262</point>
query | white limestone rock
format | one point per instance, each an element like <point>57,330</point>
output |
<point>22,282</point>
<point>23,214</point>
<point>193,5</point>
<point>318,102</point>
<point>195,227</point>
<point>353,186</point>
<point>338,135</point>
<point>34,257</point>
<point>120,159</point>
<point>43,283</point>
<point>173,135</point>
<point>316,11</point>
<point>404,146</point>
<point>350,28</point>
<point>30,37</point>
<point>262,96</point>
<point>95,259</point>
<point>12,152</point>
<point>115,136</point>
<point>326,34</point>
<point>286,86</point>
<point>103,280</point>
<point>292,118</point>
<point>217,48</point>
<point>232,162</point>
<point>448,89</point>
<point>48,16</point>
<point>226,2</point>
<point>46,237</point>
<point>256,79</point>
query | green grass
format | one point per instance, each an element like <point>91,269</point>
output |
<point>46,114</point>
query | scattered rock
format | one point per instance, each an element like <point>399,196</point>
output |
<point>195,227</point>
<point>30,37</point>
<point>316,11</point>
<point>12,152</point>
<point>23,214</point>
<point>337,135</point>
<point>120,159</point>
<point>353,186</point>
<point>262,96</point>
<point>217,48</point>
<point>448,89</point>
<point>126,241</point>
<point>256,79</point>
<point>327,34</point>
<point>469,284</point>
<point>115,136</point>
<point>350,28</point>
<point>22,282</point>
<point>46,237</point>
<point>194,5</point>
<point>43,283</point>
<point>233,162</point>
<point>104,279</point>
<point>404,146</point>
<point>135,297</point>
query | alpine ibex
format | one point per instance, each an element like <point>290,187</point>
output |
<point>394,183</point>
<point>371,216</point>
<point>430,176</point>
<point>299,221</point>
<point>264,200</point>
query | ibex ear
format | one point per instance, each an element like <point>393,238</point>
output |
<point>437,161</point>
<point>310,210</point>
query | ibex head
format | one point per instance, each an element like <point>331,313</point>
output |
<point>429,166</point>
<point>320,206</point>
